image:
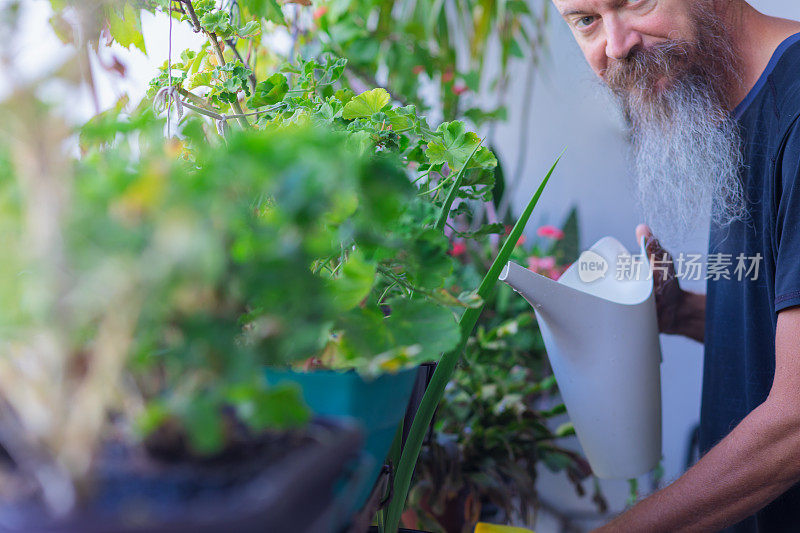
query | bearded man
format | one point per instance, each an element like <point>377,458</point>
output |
<point>711,92</point>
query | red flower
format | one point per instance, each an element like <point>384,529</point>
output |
<point>459,89</point>
<point>320,12</point>
<point>521,240</point>
<point>551,232</point>
<point>459,248</point>
<point>447,77</point>
<point>417,70</point>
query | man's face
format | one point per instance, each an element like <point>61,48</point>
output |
<point>671,65</point>
<point>608,30</point>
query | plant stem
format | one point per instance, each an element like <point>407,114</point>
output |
<point>212,37</point>
<point>217,116</point>
<point>422,176</point>
<point>202,111</point>
<point>435,189</point>
<point>192,15</point>
<point>447,363</point>
<point>451,196</point>
<point>394,277</point>
<point>380,300</point>
<point>196,100</point>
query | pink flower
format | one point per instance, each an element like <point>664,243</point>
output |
<point>418,69</point>
<point>459,89</point>
<point>521,240</point>
<point>541,263</point>
<point>447,77</point>
<point>320,12</point>
<point>547,263</point>
<point>551,232</point>
<point>459,248</point>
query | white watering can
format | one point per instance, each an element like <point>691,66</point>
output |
<point>600,329</point>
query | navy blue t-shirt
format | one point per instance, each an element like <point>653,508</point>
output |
<point>741,315</point>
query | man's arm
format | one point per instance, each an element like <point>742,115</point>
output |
<point>758,461</point>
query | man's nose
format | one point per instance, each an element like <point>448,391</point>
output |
<point>620,38</point>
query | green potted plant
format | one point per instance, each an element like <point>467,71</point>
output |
<point>393,312</point>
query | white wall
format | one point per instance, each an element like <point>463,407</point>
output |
<point>569,109</point>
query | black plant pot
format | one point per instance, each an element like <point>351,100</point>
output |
<point>287,488</point>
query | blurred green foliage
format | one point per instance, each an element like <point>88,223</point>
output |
<point>304,231</point>
<point>306,236</point>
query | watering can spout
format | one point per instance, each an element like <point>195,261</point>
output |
<point>551,300</point>
<point>598,323</point>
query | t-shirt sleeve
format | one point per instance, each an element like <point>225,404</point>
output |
<point>787,224</point>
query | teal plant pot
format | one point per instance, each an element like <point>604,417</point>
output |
<point>377,405</point>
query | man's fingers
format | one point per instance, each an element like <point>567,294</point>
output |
<point>654,248</point>
<point>656,254</point>
<point>659,258</point>
<point>643,230</point>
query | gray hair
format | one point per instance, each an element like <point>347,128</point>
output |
<point>686,146</point>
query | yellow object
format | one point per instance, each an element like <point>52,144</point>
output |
<point>482,527</point>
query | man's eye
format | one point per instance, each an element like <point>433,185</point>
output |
<point>584,22</point>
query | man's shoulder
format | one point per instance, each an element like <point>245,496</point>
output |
<point>785,83</point>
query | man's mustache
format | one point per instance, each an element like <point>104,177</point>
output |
<point>644,67</point>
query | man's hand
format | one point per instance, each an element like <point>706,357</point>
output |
<point>680,312</point>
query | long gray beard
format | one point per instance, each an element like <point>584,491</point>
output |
<point>687,160</point>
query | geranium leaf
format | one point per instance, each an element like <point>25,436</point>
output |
<point>366,104</point>
<point>251,29</point>
<point>126,27</point>
<point>198,79</point>
<point>217,22</point>
<point>354,283</point>
<point>428,325</point>
<point>454,144</point>
<point>270,91</point>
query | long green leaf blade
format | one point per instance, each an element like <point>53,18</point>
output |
<point>446,366</point>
